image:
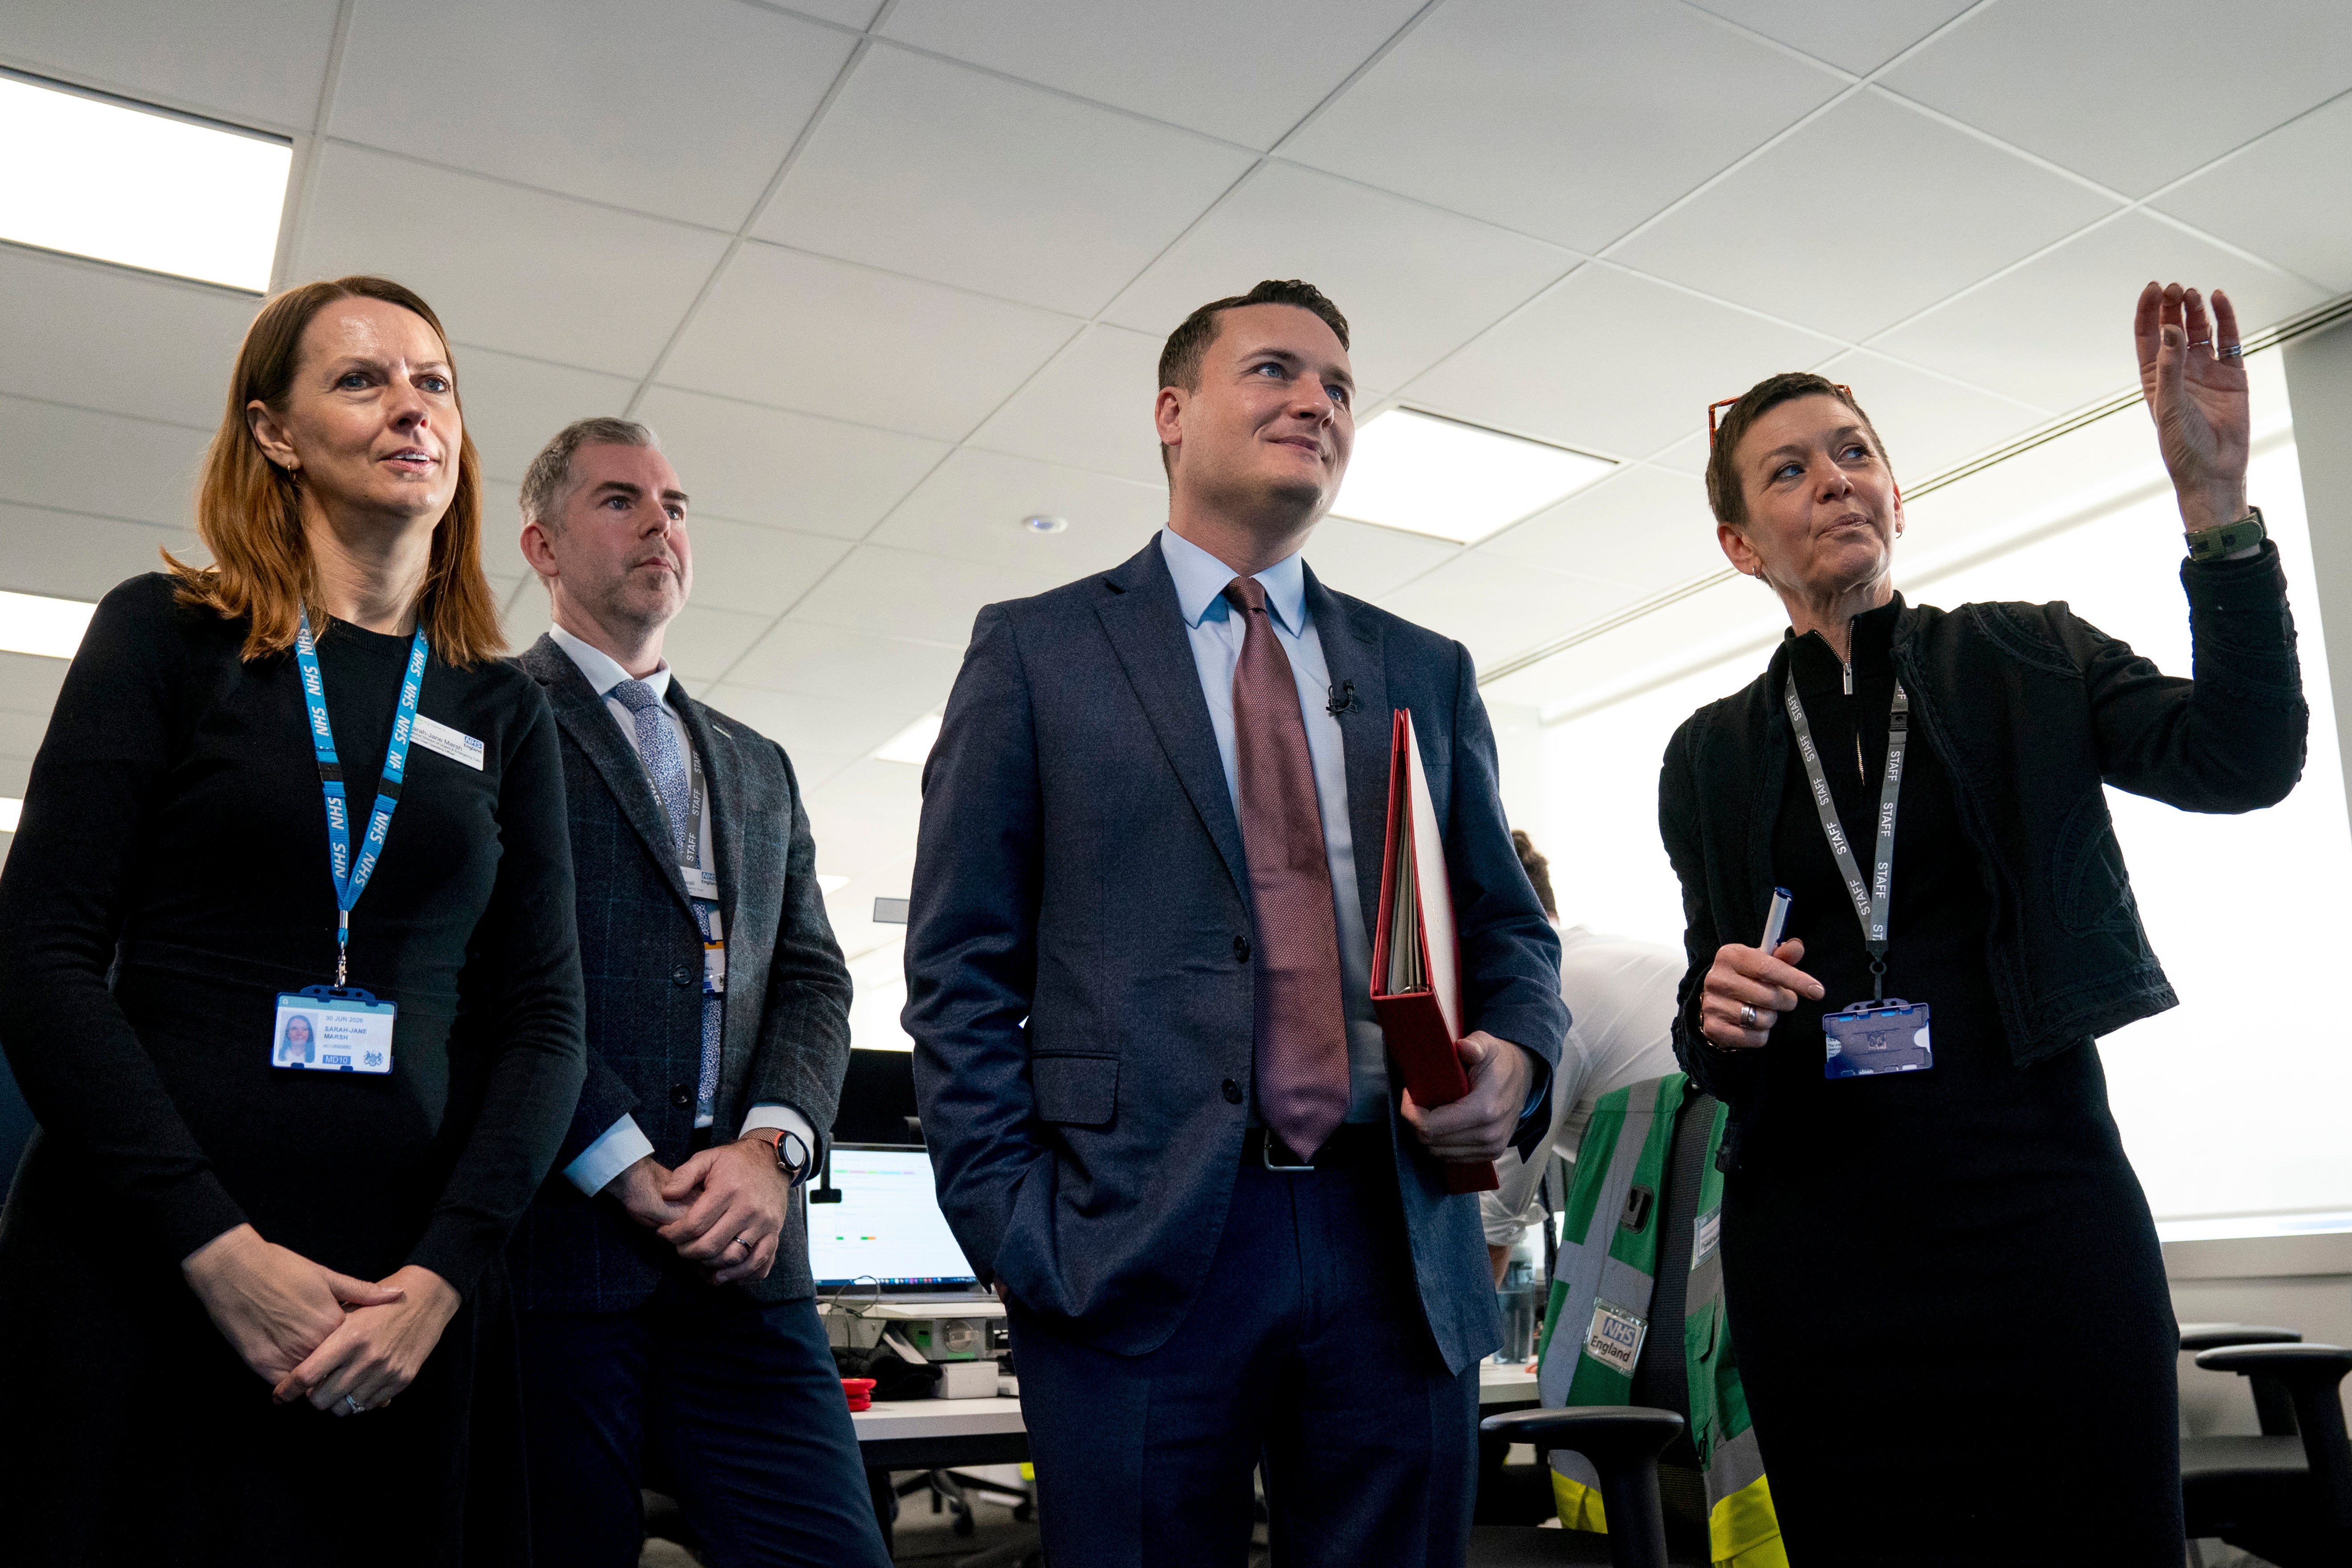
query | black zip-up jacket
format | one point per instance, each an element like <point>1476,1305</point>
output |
<point>2030,710</point>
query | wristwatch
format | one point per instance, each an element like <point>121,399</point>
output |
<point>2229,538</point>
<point>793,1156</point>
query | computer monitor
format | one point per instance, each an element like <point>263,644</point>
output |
<point>887,1229</point>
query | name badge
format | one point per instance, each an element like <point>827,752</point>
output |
<point>1709,1233</point>
<point>1615,1338</point>
<point>1872,1038</point>
<point>322,1030</point>
<point>714,969</point>
<point>454,744</point>
<point>699,883</point>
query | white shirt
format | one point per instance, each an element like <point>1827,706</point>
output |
<point>624,1143</point>
<point>1216,635</point>
<point>1621,994</point>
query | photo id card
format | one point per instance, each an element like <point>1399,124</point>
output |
<point>1872,1038</point>
<point>325,1030</point>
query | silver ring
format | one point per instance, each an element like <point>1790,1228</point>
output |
<point>2233,351</point>
<point>1747,1016</point>
<point>744,1242</point>
<point>2202,343</point>
<point>351,1406</point>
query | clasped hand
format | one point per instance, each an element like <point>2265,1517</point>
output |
<point>726,1194</point>
<point>1478,1126</point>
<point>314,1333</point>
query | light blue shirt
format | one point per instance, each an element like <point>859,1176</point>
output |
<point>1217,634</point>
<point>624,1143</point>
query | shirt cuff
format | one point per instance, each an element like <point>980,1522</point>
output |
<point>624,1143</point>
<point>772,1114</point>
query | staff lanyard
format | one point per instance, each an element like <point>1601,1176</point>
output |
<point>352,877</point>
<point>1870,899</point>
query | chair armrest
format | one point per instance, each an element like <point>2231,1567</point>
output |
<point>2311,1375</point>
<point>2215,1336</point>
<point>1623,1441</point>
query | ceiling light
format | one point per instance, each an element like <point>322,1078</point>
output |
<point>35,623</point>
<point>1043,524</point>
<point>911,744</point>
<point>10,810</point>
<point>830,885</point>
<point>1440,477</point>
<point>98,177</point>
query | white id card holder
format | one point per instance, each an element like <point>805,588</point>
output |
<point>322,1030</point>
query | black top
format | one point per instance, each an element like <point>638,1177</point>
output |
<point>175,809</point>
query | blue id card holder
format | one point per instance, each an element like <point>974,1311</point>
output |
<point>326,1028</point>
<point>1872,1038</point>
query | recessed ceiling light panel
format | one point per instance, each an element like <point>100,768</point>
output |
<point>94,177</point>
<point>11,808</point>
<point>35,623</point>
<point>911,744</point>
<point>1450,480</point>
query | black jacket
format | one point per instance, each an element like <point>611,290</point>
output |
<point>2031,711</point>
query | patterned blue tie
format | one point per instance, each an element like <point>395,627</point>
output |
<point>666,765</point>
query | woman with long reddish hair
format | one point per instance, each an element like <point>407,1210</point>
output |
<point>251,1301</point>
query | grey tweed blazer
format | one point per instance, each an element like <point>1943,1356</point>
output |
<point>787,1013</point>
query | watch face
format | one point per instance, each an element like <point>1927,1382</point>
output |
<point>792,1155</point>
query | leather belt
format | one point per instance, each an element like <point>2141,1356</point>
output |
<point>1353,1143</point>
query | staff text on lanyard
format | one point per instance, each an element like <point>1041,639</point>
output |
<point>1870,899</point>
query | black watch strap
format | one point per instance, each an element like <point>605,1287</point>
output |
<point>2213,543</point>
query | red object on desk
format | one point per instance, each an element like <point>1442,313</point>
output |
<point>1417,957</point>
<point>860,1392</point>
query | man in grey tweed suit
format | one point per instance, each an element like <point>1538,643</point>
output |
<point>663,1270</point>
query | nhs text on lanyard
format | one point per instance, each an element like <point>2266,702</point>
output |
<point>1884,1034</point>
<point>336,1028</point>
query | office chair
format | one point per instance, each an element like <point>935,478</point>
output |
<point>2272,1408</point>
<point>2286,1498</point>
<point>1623,1442</point>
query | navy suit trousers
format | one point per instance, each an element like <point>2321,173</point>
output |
<point>740,1407</point>
<point>1307,1352</point>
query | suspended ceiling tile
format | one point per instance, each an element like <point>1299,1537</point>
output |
<point>1736,618</point>
<point>1858,36</point>
<point>514,406</point>
<point>1499,608</point>
<point>973,508</point>
<point>2262,198</point>
<point>1573,123</point>
<point>20,735</point>
<point>78,461</point>
<point>525,617</point>
<point>2138,96</point>
<point>834,338</point>
<point>819,726</point>
<point>899,593</point>
<point>260,62</point>
<point>502,534</point>
<point>1929,424</point>
<point>682,111</point>
<point>71,557</point>
<point>2057,332</point>
<point>966,178</point>
<point>1091,408</point>
<point>28,683</point>
<point>1371,563</point>
<point>1688,455</point>
<point>702,643</point>
<point>1413,282</point>
<point>508,269</point>
<point>849,13</point>
<point>865,815</point>
<point>1235,68</point>
<point>1612,363</point>
<point>761,570</point>
<point>106,337</point>
<point>783,470</point>
<point>1647,528</point>
<point>1780,235</point>
<point>826,661</point>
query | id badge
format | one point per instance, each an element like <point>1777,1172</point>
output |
<point>1614,1340</point>
<point>323,1029</point>
<point>1871,1037</point>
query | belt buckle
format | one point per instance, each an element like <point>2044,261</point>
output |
<point>1266,1153</point>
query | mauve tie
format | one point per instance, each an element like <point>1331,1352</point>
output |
<point>1302,1033</point>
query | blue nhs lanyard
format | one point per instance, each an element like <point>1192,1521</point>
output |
<point>352,877</point>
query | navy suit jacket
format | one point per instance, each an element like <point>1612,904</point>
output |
<point>1076,983</point>
<point>786,1037</point>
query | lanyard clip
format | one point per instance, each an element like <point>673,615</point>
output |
<point>342,945</point>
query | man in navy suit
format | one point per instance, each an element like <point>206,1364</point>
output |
<point>663,1270</point>
<point>1155,1091</point>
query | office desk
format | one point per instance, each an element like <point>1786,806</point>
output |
<point>943,1433</point>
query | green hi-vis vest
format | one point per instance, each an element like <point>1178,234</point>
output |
<point>1602,1293</point>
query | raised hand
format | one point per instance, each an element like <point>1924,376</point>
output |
<point>2192,372</point>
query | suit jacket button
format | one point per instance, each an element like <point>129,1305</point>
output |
<point>681,975</point>
<point>681,1095</point>
<point>1232,1092</point>
<point>1241,950</point>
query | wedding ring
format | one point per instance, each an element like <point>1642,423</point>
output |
<point>2233,351</point>
<point>2202,343</point>
<point>350,1407</point>
<point>1747,1016</point>
<point>744,1242</point>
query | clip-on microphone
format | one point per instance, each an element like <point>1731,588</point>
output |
<point>1343,699</point>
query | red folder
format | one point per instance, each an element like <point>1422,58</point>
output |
<point>1416,960</point>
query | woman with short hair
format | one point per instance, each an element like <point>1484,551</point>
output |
<point>252,1302</point>
<point>1953,1330</point>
